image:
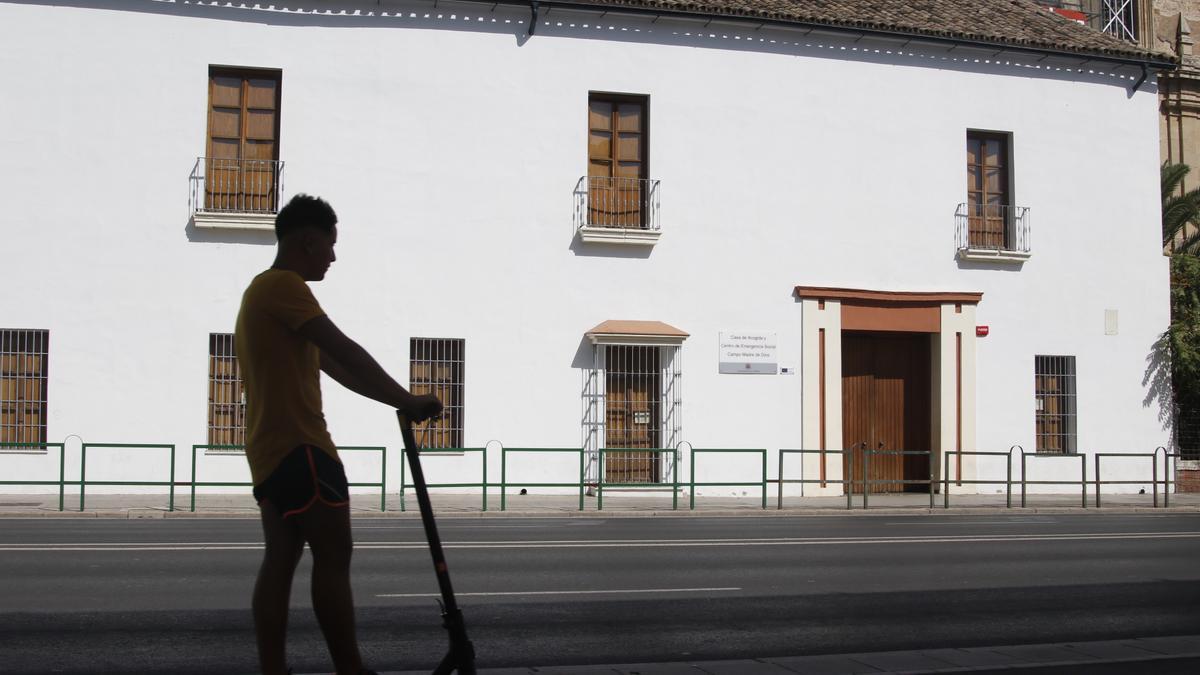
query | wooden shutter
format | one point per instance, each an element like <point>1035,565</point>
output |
<point>616,161</point>
<point>241,172</point>
<point>987,190</point>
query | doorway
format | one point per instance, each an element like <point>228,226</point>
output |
<point>887,407</point>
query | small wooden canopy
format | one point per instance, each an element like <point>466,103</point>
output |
<point>625,332</point>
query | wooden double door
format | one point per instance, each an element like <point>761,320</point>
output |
<point>887,407</point>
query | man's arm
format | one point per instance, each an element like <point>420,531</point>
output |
<point>350,365</point>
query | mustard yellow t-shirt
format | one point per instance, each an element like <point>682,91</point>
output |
<point>281,371</point>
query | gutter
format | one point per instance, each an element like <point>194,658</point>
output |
<point>1144,63</point>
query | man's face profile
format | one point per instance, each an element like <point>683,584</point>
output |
<point>318,247</point>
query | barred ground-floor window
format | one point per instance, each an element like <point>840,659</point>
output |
<point>23,378</point>
<point>1055,407</point>
<point>226,393</point>
<point>633,401</point>
<point>436,366</point>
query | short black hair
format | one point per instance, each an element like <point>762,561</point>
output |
<point>304,211</point>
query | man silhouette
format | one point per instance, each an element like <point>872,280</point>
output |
<point>284,340</point>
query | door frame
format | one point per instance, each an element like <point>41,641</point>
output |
<point>826,311</point>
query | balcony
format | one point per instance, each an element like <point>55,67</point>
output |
<point>236,193</point>
<point>617,210</point>
<point>992,232</point>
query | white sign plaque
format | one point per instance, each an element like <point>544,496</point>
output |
<point>744,352</point>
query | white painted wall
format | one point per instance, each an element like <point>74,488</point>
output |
<point>449,143</point>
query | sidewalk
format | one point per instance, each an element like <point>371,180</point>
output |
<point>1162,655</point>
<point>616,504</point>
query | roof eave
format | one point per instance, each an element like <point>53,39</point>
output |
<point>1147,60</point>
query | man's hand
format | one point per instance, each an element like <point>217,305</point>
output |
<point>422,407</point>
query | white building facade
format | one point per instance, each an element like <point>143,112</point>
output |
<point>631,229</point>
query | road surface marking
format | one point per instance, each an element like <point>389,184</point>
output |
<point>581,592</point>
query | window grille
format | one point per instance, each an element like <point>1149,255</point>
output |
<point>1055,413</point>
<point>436,367</point>
<point>633,398</point>
<point>23,379</point>
<point>1119,18</point>
<point>226,393</point>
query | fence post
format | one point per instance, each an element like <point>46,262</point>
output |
<point>581,476</point>
<point>1083,479</point>
<point>1166,478</point>
<point>764,479</point>
<point>932,478</point>
<point>675,476</point>
<point>82,473</point>
<point>1022,475</point>
<point>62,472</point>
<point>779,503</point>
<point>946,479</point>
<point>1097,456</point>
<point>866,481</point>
<point>692,481</point>
<point>383,481</point>
<point>503,478</point>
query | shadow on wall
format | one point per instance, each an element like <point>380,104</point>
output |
<point>600,250</point>
<point>226,236</point>
<point>515,19</point>
<point>1157,381</point>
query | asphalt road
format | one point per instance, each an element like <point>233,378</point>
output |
<point>142,596</point>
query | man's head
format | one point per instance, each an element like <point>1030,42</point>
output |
<point>306,229</point>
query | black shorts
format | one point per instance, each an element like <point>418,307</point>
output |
<point>306,475</point>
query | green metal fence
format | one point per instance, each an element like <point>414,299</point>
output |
<point>601,484</point>
<point>451,452</point>
<point>692,480</point>
<point>959,480</point>
<point>674,484</point>
<point>1082,482</point>
<point>239,452</point>
<point>62,453</point>
<point>504,484</point>
<point>1153,457</point>
<point>845,481</point>
<point>83,482</point>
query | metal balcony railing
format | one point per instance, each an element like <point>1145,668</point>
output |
<point>250,186</point>
<point>617,203</point>
<point>992,227</point>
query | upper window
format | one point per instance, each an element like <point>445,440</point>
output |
<point>617,168</point>
<point>990,226</point>
<point>436,367</point>
<point>226,393</point>
<point>988,200</point>
<point>23,355</point>
<point>1054,391</point>
<point>242,168</point>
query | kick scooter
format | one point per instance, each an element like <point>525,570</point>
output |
<point>461,656</point>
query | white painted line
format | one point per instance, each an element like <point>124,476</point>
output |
<point>581,592</point>
<point>622,543</point>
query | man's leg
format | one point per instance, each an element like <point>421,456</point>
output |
<point>327,530</point>
<point>272,590</point>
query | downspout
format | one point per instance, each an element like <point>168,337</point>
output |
<point>533,12</point>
